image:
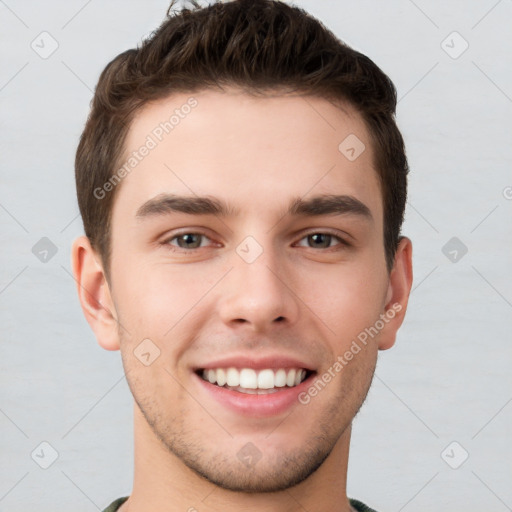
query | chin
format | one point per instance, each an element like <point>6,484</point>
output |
<point>268,478</point>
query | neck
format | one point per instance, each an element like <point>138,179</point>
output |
<point>162,482</point>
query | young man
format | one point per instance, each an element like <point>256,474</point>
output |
<point>242,184</point>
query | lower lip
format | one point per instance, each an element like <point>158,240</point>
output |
<point>270,404</point>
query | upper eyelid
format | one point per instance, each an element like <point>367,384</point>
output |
<point>327,231</point>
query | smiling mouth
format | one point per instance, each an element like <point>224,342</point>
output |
<point>255,382</point>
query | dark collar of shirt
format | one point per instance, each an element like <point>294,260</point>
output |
<point>356,504</point>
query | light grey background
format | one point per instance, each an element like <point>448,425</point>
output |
<point>448,377</point>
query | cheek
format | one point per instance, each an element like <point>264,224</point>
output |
<point>153,299</point>
<point>347,299</point>
<point>167,304</point>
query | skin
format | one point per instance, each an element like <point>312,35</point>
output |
<point>201,303</point>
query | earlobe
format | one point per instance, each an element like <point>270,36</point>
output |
<point>397,297</point>
<point>94,293</point>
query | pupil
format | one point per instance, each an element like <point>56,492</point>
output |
<point>316,237</point>
<point>189,237</point>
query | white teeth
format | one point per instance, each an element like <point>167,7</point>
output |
<point>248,378</point>
<point>221,377</point>
<point>266,379</point>
<point>290,378</point>
<point>280,378</point>
<point>232,377</point>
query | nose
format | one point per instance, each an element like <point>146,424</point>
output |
<point>259,294</point>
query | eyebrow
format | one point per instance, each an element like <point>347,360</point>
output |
<point>326,204</point>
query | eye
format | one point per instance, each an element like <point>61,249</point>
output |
<point>193,240</point>
<point>187,240</point>
<point>322,240</point>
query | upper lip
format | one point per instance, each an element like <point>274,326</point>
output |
<point>260,363</point>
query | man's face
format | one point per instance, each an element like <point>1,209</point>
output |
<point>262,287</point>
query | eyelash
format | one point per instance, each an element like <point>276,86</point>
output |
<point>167,242</point>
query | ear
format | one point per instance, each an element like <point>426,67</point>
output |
<point>397,297</point>
<point>94,293</point>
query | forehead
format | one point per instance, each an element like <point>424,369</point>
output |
<point>254,153</point>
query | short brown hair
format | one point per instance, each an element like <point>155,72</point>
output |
<point>258,46</point>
